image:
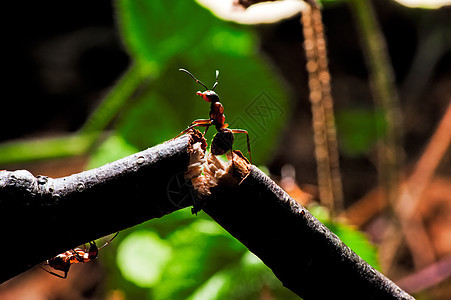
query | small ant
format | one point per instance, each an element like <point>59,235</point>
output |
<point>223,140</point>
<point>63,261</point>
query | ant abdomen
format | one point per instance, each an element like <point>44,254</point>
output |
<point>222,142</point>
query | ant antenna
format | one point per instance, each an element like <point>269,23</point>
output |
<point>109,240</point>
<point>216,83</point>
<point>198,81</point>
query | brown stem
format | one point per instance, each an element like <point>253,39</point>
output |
<point>323,120</point>
<point>328,108</point>
<point>318,117</point>
<point>414,188</point>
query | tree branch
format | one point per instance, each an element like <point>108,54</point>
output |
<point>40,217</point>
<point>306,256</point>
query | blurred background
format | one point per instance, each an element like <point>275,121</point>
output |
<point>88,82</point>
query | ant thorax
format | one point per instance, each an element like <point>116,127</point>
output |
<point>217,114</point>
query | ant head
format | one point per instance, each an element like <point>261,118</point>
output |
<point>93,250</point>
<point>208,95</point>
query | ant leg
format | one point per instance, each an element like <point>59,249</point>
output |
<point>54,274</point>
<point>184,131</point>
<point>248,143</point>
<point>202,122</point>
<point>110,240</point>
<point>195,123</point>
<point>78,256</point>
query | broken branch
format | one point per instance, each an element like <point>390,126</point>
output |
<point>40,217</point>
<point>306,256</point>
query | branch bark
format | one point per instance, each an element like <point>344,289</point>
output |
<point>306,256</point>
<point>41,217</point>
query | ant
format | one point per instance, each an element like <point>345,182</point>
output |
<point>223,140</point>
<point>63,261</point>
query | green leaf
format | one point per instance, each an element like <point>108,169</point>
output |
<point>244,280</point>
<point>353,238</point>
<point>114,148</point>
<point>154,31</point>
<point>46,148</point>
<point>150,121</point>
<point>141,257</point>
<point>359,129</point>
<point>199,250</point>
<point>357,241</point>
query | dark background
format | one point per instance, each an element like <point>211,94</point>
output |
<point>61,58</point>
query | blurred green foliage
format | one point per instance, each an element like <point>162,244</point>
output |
<point>353,238</point>
<point>359,129</point>
<point>186,257</point>
<point>181,256</point>
<point>163,36</point>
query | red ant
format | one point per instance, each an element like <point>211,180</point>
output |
<point>223,140</point>
<point>63,261</point>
